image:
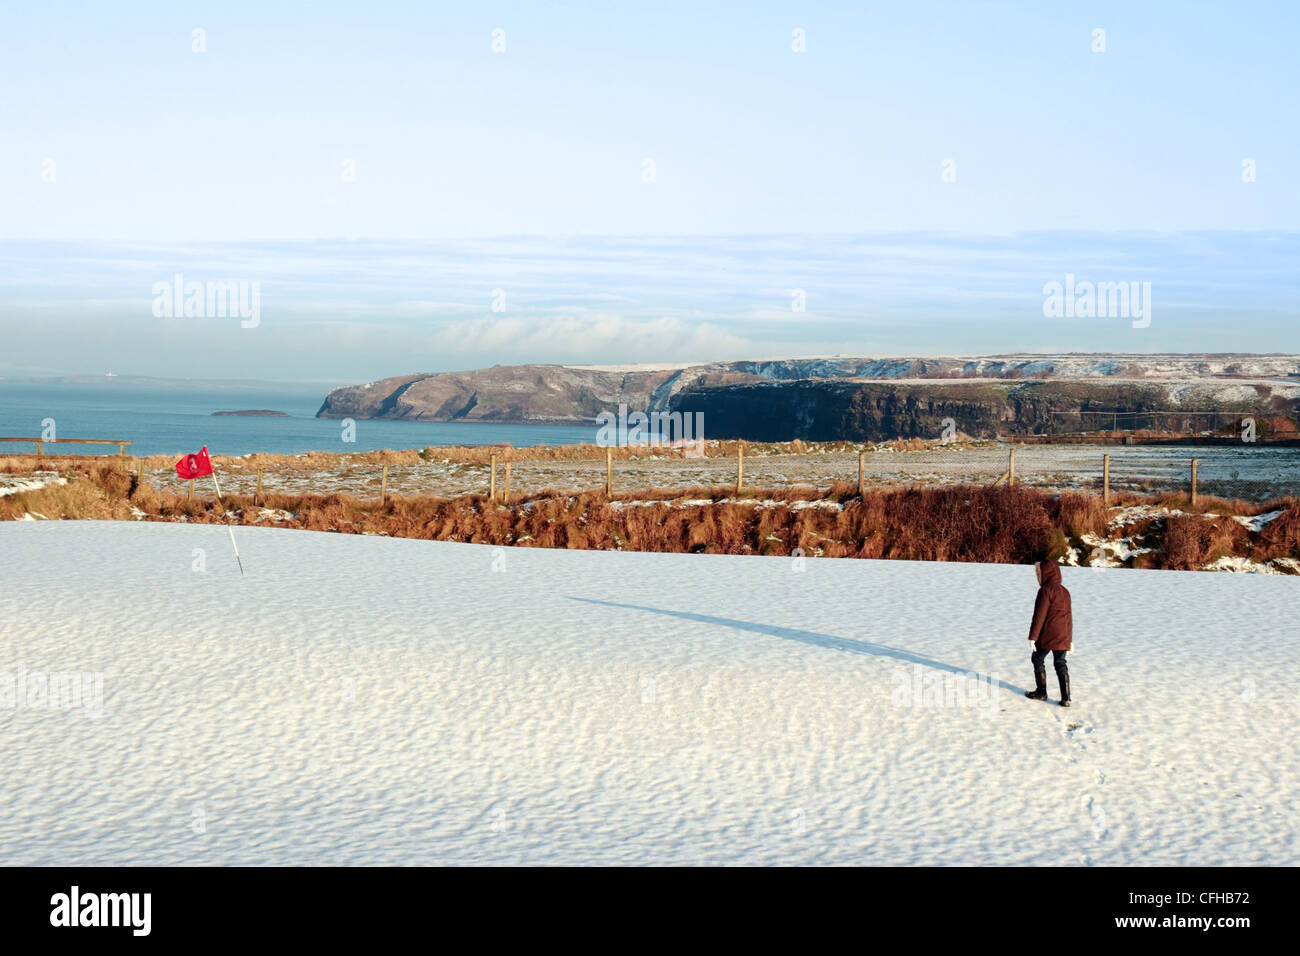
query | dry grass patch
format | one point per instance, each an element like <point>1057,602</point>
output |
<point>1192,541</point>
<point>1015,524</point>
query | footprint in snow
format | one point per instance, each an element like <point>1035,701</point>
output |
<point>1076,729</point>
<point>1096,815</point>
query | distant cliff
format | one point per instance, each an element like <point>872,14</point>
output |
<point>855,398</point>
<point>519,393</point>
<point>875,411</point>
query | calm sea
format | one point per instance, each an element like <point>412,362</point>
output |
<point>174,419</point>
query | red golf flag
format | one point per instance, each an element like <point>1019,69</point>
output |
<point>195,466</point>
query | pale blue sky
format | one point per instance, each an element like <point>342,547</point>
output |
<point>774,170</point>
<point>152,141</point>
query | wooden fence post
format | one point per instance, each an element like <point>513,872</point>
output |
<point>1194,464</point>
<point>506,496</point>
<point>862,469</point>
<point>139,472</point>
<point>257,495</point>
<point>492,482</point>
<point>191,489</point>
<point>609,471</point>
<point>39,452</point>
<point>1105,480</point>
<point>740,467</point>
<point>383,486</point>
<point>1011,468</point>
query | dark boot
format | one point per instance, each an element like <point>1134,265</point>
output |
<point>1040,679</point>
<point>1062,676</point>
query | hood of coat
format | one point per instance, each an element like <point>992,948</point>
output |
<point>1051,573</point>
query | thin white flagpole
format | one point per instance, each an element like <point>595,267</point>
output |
<point>216,485</point>
<point>236,547</point>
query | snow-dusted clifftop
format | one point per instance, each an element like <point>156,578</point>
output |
<point>562,393</point>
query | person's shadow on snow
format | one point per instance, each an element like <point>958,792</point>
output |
<point>804,637</point>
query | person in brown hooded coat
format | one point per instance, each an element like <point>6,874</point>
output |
<point>1052,629</point>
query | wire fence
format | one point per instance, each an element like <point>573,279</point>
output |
<point>1251,474</point>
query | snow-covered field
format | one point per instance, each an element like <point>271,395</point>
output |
<point>367,700</point>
